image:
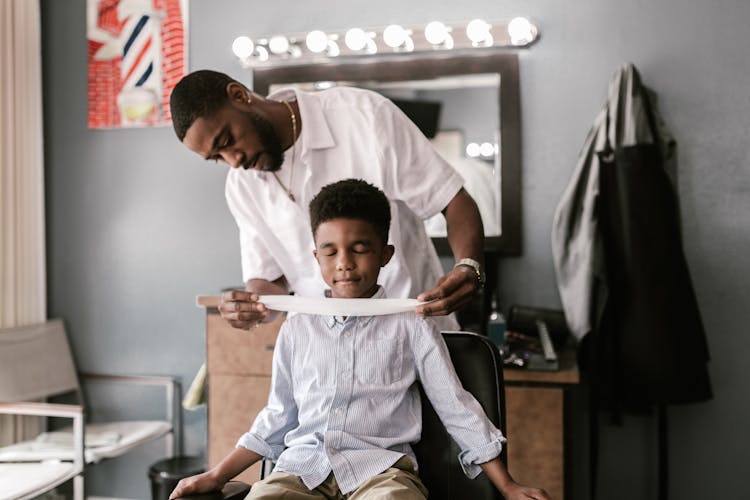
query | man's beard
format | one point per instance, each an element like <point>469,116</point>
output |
<point>270,142</point>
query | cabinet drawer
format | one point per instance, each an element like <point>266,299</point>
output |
<point>535,430</point>
<point>240,352</point>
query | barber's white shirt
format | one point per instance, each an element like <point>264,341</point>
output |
<point>346,133</point>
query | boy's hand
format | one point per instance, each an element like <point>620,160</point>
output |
<point>453,291</point>
<point>511,490</point>
<point>515,491</point>
<point>241,309</point>
<point>201,483</point>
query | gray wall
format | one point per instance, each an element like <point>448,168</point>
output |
<point>137,225</point>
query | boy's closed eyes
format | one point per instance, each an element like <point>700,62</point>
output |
<point>350,253</point>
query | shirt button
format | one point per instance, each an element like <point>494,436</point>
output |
<point>344,375</point>
<point>338,411</point>
<point>348,334</point>
<point>333,451</point>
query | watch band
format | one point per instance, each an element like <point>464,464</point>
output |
<point>476,266</point>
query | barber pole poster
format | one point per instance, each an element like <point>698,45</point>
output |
<point>136,55</point>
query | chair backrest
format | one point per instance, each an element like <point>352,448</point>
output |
<point>35,362</point>
<point>479,367</point>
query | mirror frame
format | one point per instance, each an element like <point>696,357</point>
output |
<point>424,68</point>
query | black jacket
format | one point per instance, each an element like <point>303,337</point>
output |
<point>645,343</point>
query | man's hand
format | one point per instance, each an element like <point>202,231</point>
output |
<point>453,291</point>
<point>201,483</point>
<point>466,238</point>
<point>242,310</point>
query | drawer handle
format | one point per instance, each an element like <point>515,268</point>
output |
<point>269,347</point>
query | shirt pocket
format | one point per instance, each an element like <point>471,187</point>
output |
<point>380,362</point>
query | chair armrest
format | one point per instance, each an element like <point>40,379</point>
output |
<point>54,410</point>
<point>138,379</point>
<point>42,409</point>
<point>173,389</point>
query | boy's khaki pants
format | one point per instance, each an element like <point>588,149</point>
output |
<point>399,482</point>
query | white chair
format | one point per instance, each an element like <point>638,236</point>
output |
<point>36,363</point>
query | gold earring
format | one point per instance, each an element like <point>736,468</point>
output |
<point>249,100</point>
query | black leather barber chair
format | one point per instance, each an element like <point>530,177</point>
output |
<point>480,369</point>
<point>233,490</point>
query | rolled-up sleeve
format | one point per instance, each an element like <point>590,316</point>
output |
<point>470,459</point>
<point>266,436</point>
<point>258,261</point>
<point>461,414</point>
<point>410,163</point>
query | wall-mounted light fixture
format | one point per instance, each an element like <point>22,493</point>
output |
<point>320,46</point>
<point>484,150</point>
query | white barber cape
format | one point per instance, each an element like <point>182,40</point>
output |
<point>338,307</point>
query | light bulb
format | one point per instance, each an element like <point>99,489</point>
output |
<point>242,47</point>
<point>435,32</point>
<point>394,36</point>
<point>472,150</point>
<point>486,149</point>
<point>478,31</point>
<point>332,49</point>
<point>278,44</point>
<point>316,41</point>
<point>261,53</point>
<point>324,84</point>
<point>521,31</point>
<point>356,39</point>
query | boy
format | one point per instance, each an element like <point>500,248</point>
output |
<point>344,407</point>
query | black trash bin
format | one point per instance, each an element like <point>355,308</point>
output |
<point>165,474</point>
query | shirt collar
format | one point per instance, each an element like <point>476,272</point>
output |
<point>332,321</point>
<point>316,134</point>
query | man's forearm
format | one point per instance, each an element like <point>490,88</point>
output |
<point>466,238</point>
<point>465,230</point>
<point>265,287</point>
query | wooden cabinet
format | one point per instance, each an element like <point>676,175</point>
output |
<point>535,410</point>
<point>238,363</point>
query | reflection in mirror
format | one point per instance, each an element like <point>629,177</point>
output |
<point>467,106</point>
<point>460,115</point>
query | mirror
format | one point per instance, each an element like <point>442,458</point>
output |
<point>455,101</point>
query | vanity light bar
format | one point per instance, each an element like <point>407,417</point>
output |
<point>321,46</point>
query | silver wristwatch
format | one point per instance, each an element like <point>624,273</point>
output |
<point>476,266</point>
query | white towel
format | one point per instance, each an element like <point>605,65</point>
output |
<point>338,307</point>
<point>64,439</point>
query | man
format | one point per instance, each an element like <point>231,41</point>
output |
<point>291,144</point>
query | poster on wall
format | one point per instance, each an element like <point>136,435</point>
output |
<point>137,52</point>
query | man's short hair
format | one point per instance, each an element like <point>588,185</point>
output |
<point>352,199</point>
<point>198,95</point>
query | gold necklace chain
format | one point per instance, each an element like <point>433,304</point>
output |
<point>294,153</point>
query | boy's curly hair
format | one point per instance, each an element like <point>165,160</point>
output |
<point>352,199</point>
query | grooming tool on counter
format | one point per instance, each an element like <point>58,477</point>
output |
<point>547,348</point>
<point>533,336</point>
<point>523,319</point>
